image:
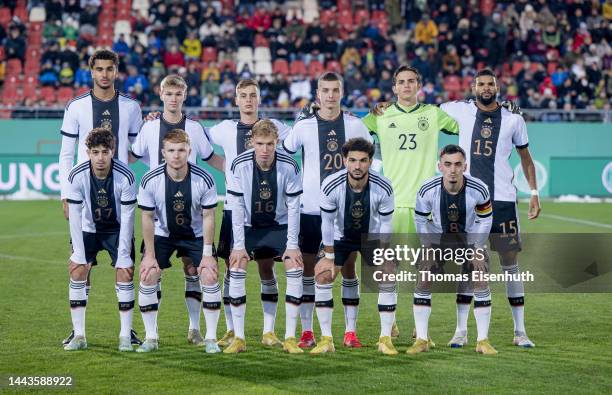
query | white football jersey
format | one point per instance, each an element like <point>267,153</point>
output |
<point>148,144</point>
<point>356,212</point>
<point>321,143</point>
<point>468,211</point>
<point>107,207</point>
<point>121,114</point>
<point>487,139</point>
<point>178,205</point>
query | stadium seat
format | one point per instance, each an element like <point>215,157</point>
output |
<point>262,54</point>
<point>241,63</point>
<point>516,68</point>
<point>345,20</point>
<point>1,53</point>
<point>123,27</point>
<point>378,16</point>
<point>315,68</point>
<point>361,15</point>
<point>35,39</point>
<point>209,54</point>
<point>29,88</point>
<point>310,15</point>
<point>64,95</point>
<point>263,67</point>
<point>334,65</point>
<point>326,16</point>
<point>10,96</point>
<point>343,5</point>
<point>13,67</point>
<point>227,64</point>
<point>32,67</point>
<point>35,27</point>
<point>280,66</point>
<point>21,13</point>
<point>245,54</point>
<point>551,67</point>
<point>297,67</point>
<point>38,14</point>
<point>81,90</point>
<point>5,16</point>
<point>466,83</point>
<point>452,86</point>
<point>47,93</point>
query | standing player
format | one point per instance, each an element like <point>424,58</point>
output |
<point>354,201</point>
<point>178,201</point>
<point>408,134</point>
<point>264,188</point>
<point>235,137</point>
<point>104,107</point>
<point>488,134</point>
<point>320,137</point>
<point>458,204</point>
<point>148,148</point>
<point>101,194</point>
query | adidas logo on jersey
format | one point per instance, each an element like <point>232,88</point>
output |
<point>488,120</point>
<point>106,112</point>
<point>102,190</point>
<point>332,133</point>
<point>452,206</point>
<point>178,194</point>
<point>392,125</point>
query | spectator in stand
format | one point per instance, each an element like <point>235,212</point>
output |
<point>193,98</point>
<point>83,76</point>
<point>121,46</point>
<point>174,58</point>
<point>135,78</point>
<point>192,47</point>
<point>451,64</point>
<point>66,75</point>
<point>48,75</point>
<point>426,30</point>
<point>15,45</point>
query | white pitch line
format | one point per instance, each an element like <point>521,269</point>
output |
<point>18,236</point>
<point>25,258</point>
<point>576,220</point>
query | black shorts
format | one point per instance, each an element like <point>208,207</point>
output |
<point>505,231</point>
<point>265,243</point>
<point>343,250</point>
<point>225,235</point>
<point>165,247</point>
<point>96,242</point>
<point>310,233</point>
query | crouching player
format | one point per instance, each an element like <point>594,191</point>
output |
<point>264,186</point>
<point>460,209</point>
<point>178,201</point>
<point>101,197</point>
<point>354,201</point>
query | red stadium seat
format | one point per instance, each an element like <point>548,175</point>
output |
<point>326,15</point>
<point>280,66</point>
<point>343,5</point>
<point>35,39</point>
<point>32,67</point>
<point>466,83</point>
<point>5,16</point>
<point>13,67</point>
<point>345,20</point>
<point>378,16</point>
<point>47,93</point>
<point>315,68</point>
<point>21,13</point>
<point>11,82</point>
<point>361,15</point>
<point>1,53</point>
<point>334,65</point>
<point>35,27</point>
<point>81,90</point>
<point>64,95</point>
<point>487,6</point>
<point>209,54</point>
<point>551,67</point>
<point>29,88</point>
<point>297,67</point>
<point>227,64</point>
<point>516,68</point>
<point>452,86</point>
<point>10,96</point>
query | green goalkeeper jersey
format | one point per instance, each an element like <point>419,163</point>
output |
<point>408,140</point>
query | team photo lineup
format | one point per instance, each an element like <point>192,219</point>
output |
<point>309,216</point>
<point>424,186</point>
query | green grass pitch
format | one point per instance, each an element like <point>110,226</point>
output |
<point>572,331</point>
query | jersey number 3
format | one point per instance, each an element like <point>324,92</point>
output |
<point>407,141</point>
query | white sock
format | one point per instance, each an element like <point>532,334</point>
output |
<point>387,303</point>
<point>148,302</point>
<point>237,294</point>
<point>227,309</point>
<point>193,300</point>
<point>269,300</point>
<point>78,302</point>
<point>159,292</point>
<point>515,291</point>
<point>464,302</point>
<point>293,298</point>
<point>211,297</point>
<point>421,310</point>
<point>125,297</point>
<point>324,302</point>
<point>482,312</point>
<point>307,306</point>
<point>350,300</point>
